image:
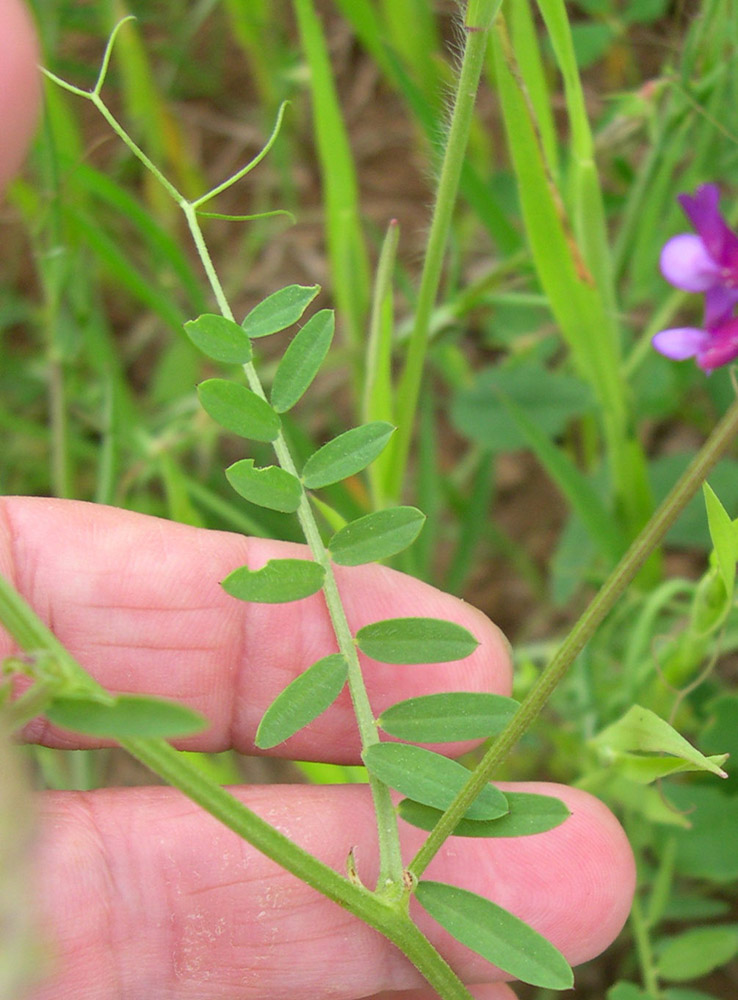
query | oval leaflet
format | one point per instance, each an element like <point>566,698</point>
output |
<point>278,582</point>
<point>415,640</point>
<point>302,700</point>
<point>239,410</point>
<point>279,310</point>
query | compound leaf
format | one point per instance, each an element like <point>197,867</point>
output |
<point>271,487</point>
<point>375,536</point>
<point>415,640</point>
<point>302,701</point>
<point>302,360</point>
<point>429,778</point>
<point>280,581</point>
<point>279,310</point>
<point>448,717</point>
<point>496,935</point>
<point>346,454</point>
<point>220,339</point>
<point>238,409</point>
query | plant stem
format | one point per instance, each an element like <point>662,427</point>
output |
<point>603,602</point>
<point>480,16</point>
<point>390,867</point>
<point>644,949</point>
<point>386,913</point>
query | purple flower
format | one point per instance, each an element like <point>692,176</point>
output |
<point>706,262</point>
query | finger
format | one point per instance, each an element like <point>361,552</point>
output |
<point>145,895</point>
<point>20,89</point>
<point>137,600</point>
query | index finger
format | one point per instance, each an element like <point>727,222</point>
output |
<point>136,600</point>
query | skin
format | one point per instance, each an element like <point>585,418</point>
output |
<point>140,893</point>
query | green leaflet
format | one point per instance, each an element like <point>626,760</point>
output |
<point>271,487</point>
<point>528,814</point>
<point>239,410</point>
<point>280,581</point>
<point>346,454</point>
<point>430,778</point>
<point>496,934</point>
<point>640,729</point>
<point>302,700</point>
<point>128,716</point>
<point>448,717</point>
<point>644,769</point>
<point>220,339</point>
<point>415,640</point>
<point>302,360</point>
<point>376,536</point>
<point>279,310</point>
<point>724,539</point>
<point>697,952</point>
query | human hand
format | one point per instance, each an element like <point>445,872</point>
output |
<point>142,894</point>
<point>145,895</point>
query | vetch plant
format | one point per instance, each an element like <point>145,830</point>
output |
<point>441,796</point>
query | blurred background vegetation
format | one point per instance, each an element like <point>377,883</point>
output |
<point>547,428</point>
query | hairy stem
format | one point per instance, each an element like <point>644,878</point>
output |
<point>479,18</point>
<point>623,574</point>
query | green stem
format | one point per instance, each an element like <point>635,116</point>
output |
<point>377,401</point>
<point>31,703</point>
<point>391,867</point>
<point>480,16</point>
<point>384,912</point>
<point>388,916</point>
<point>645,951</point>
<point>601,605</point>
<point>214,192</point>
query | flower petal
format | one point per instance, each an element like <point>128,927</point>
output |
<point>719,304</point>
<point>720,241</point>
<point>722,347</point>
<point>686,264</point>
<point>681,342</point>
